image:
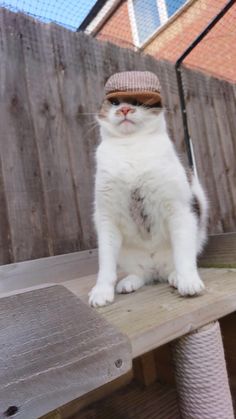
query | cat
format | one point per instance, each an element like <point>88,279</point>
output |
<point>151,220</point>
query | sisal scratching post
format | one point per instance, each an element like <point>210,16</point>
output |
<point>201,375</point>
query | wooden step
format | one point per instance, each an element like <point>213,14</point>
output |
<point>150,317</point>
<point>55,349</point>
<point>157,314</point>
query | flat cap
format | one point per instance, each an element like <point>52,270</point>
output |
<point>142,85</point>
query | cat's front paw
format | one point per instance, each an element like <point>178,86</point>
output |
<point>187,284</point>
<point>129,284</point>
<point>100,295</point>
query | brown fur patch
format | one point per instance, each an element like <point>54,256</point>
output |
<point>106,105</point>
<point>137,211</point>
<point>196,207</point>
<point>189,174</point>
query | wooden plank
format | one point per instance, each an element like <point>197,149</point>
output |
<point>209,105</point>
<point>145,369</point>
<point>77,82</point>
<point>198,130</point>
<point>156,314</point>
<point>227,139</point>
<point>6,255</point>
<point>93,396</point>
<point>55,349</point>
<point>164,364</point>
<point>19,157</point>
<point>50,125</point>
<point>133,402</point>
<point>220,251</point>
<point>54,269</point>
<point>227,325</point>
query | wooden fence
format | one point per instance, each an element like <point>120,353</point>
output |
<point>51,84</point>
<point>50,79</point>
<point>211,112</point>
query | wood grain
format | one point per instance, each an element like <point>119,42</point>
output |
<point>152,316</point>
<point>145,369</point>
<point>99,393</point>
<point>210,105</point>
<point>55,349</point>
<point>49,77</point>
<point>50,126</point>
<point>133,402</point>
<point>54,269</point>
<point>20,165</point>
<point>220,251</point>
<point>48,136</point>
<point>156,314</point>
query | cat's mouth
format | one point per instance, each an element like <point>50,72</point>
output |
<point>126,121</point>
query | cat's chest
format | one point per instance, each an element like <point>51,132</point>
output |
<point>130,192</point>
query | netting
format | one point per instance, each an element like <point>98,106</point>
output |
<point>162,28</point>
<point>52,80</point>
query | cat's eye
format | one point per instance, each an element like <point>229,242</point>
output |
<point>156,105</point>
<point>135,102</point>
<point>114,101</point>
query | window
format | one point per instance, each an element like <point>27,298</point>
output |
<point>149,15</point>
<point>173,6</point>
<point>147,18</point>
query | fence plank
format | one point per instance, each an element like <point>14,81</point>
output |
<point>50,126</point>
<point>19,157</point>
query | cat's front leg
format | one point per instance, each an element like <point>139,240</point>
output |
<point>109,243</point>
<point>183,232</point>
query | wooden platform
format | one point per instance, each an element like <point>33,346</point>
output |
<point>156,314</point>
<point>54,349</point>
<point>150,317</point>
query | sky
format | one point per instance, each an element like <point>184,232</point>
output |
<point>69,13</point>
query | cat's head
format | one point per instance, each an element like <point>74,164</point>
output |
<point>122,116</point>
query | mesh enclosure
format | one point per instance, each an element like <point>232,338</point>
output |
<point>162,28</point>
<point>54,64</point>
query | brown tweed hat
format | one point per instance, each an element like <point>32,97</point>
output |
<point>143,85</point>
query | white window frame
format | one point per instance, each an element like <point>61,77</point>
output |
<point>94,26</point>
<point>165,21</point>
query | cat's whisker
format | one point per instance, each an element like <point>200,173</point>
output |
<point>92,124</point>
<point>91,129</point>
<point>86,113</point>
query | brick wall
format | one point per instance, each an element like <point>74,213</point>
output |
<point>117,29</point>
<point>215,54</point>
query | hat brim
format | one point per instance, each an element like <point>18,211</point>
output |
<point>146,97</point>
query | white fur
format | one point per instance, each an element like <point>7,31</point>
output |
<point>139,155</point>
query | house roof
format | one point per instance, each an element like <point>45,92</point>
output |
<point>215,54</point>
<point>92,14</point>
<point>99,13</point>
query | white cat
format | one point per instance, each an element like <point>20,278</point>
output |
<point>151,220</point>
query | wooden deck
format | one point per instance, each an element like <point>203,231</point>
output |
<point>156,314</point>
<point>150,317</point>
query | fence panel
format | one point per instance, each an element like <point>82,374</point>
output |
<point>51,87</point>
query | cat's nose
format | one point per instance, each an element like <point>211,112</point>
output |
<point>125,110</point>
